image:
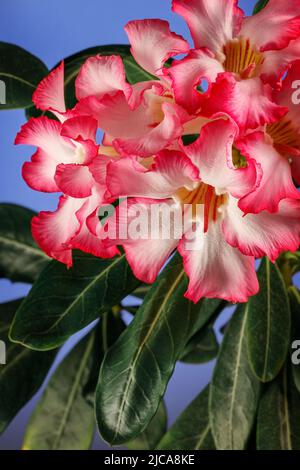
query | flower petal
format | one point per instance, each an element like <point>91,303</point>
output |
<point>170,172</point>
<point>39,173</point>
<point>152,43</point>
<point>276,63</point>
<point>74,180</point>
<point>276,183</point>
<point>214,268</point>
<point>212,154</point>
<point>274,26</point>
<point>84,239</point>
<point>187,74</point>
<point>263,234</point>
<point>49,94</point>
<point>212,22</point>
<point>148,253</point>
<point>80,127</point>
<point>157,138</point>
<point>248,102</point>
<point>45,134</point>
<point>143,131</point>
<point>53,230</point>
<point>98,168</point>
<point>289,95</point>
<point>100,75</point>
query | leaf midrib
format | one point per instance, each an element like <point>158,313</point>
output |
<point>286,413</point>
<point>73,393</point>
<point>14,361</point>
<point>234,386</point>
<point>266,355</point>
<point>77,299</point>
<point>139,350</point>
<point>202,437</point>
<point>18,79</point>
<point>31,248</point>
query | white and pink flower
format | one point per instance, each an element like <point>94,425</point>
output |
<point>64,162</point>
<point>233,188</point>
<point>220,246</point>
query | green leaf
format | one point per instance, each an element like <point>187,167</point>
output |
<point>234,390</point>
<point>20,258</point>
<point>33,112</point>
<point>134,72</point>
<point>278,423</point>
<point>202,347</point>
<point>24,371</point>
<point>151,436</point>
<point>191,431</point>
<point>64,417</point>
<point>294,296</point>
<point>142,291</point>
<point>21,72</point>
<point>108,331</point>
<point>268,324</point>
<point>136,370</point>
<point>189,138</point>
<point>259,6</point>
<point>63,301</point>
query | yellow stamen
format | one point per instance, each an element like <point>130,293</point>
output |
<point>203,194</point>
<point>239,55</point>
<point>284,133</point>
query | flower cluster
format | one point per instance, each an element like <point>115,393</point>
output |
<point>214,136</point>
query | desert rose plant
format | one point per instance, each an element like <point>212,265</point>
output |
<point>189,204</point>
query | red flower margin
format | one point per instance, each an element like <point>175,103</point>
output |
<point>234,185</point>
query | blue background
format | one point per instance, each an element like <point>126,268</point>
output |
<point>52,30</point>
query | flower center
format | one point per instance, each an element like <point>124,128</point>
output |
<point>238,159</point>
<point>154,106</point>
<point>284,134</point>
<point>242,58</point>
<point>205,195</point>
<point>80,153</point>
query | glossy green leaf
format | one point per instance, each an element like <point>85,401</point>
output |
<point>136,370</point>
<point>278,423</point>
<point>24,371</point>
<point>64,418</point>
<point>259,6</point>
<point>202,347</point>
<point>20,258</point>
<point>234,391</point>
<point>268,324</point>
<point>294,297</point>
<point>142,291</point>
<point>108,331</point>
<point>33,112</point>
<point>151,436</point>
<point>21,72</point>
<point>191,431</point>
<point>189,138</point>
<point>63,301</point>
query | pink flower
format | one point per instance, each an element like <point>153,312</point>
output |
<point>219,243</point>
<point>240,57</point>
<point>229,197</point>
<point>141,119</point>
<point>276,147</point>
<point>64,162</point>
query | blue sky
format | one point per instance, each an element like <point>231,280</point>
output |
<point>52,30</point>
